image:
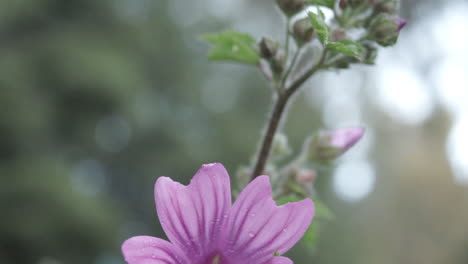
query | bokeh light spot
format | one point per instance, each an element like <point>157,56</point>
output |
<point>354,180</point>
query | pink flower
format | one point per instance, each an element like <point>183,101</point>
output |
<point>204,227</point>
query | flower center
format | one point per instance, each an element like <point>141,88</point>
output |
<point>216,260</point>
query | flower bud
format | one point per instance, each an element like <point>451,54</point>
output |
<point>385,30</point>
<point>343,4</point>
<point>344,138</point>
<point>291,7</point>
<point>338,34</point>
<point>329,145</point>
<point>400,22</point>
<point>280,146</point>
<point>277,63</point>
<point>268,48</point>
<point>305,176</point>
<point>387,6</point>
<point>303,31</point>
<point>369,55</point>
<point>357,3</point>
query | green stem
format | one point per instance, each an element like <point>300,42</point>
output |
<point>286,45</point>
<point>304,77</point>
<point>291,66</point>
<point>281,102</point>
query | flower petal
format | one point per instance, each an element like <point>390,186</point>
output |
<point>152,250</point>
<point>257,228</point>
<point>281,260</point>
<point>193,216</point>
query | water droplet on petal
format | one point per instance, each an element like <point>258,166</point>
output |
<point>251,234</point>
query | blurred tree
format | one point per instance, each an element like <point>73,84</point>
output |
<point>96,101</point>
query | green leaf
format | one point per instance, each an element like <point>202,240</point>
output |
<point>318,22</point>
<point>291,198</point>
<point>322,212</point>
<point>296,188</point>
<point>346,47</point>
<point>327,3</point>
<point>232,46</point>
<point>311,236</point>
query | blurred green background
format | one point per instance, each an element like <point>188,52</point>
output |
<point>99,98</point>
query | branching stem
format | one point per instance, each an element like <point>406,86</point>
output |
<point>281,102</point>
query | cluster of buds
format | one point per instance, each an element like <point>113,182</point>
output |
<point>377,17</point>
<point>379,20</point>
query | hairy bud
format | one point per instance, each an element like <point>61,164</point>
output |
<point>303,31</point>
<point>291,7</point>
<point>280,147</point>
<point>330,145</point>
<point>385,30</point>
<point>369,55</point>
<point>268,48</point>
<point>277,63</point>
<point>305,176</point>
<point>338,34</point>
<point>387,6</point>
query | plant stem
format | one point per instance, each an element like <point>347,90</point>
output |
<point>304,77</point>
<point>291,66</point>
<point>273,125</point>
<point>281,102</point>
<point>286,45</point>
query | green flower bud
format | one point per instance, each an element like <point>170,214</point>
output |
<point>303,31</point>
<point>369,55</point>
<point>268,48</point>
<point>357,3</point>
<point>291,7</point>
<point>280,147</point>
<point>343,4</point>
<point>387,6</point>
<point>338,34</point>
<point>277,63</point>
<point>385,30</point>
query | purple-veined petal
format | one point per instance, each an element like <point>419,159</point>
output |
<point>281,260</point>
<point>258,228</point>
<point>152,250</point>
<point>193,216</point>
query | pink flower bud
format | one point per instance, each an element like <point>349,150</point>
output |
<point>306,176</point>
<point>400,22</point>
<point>345,138</point>
<point>329,145</point>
